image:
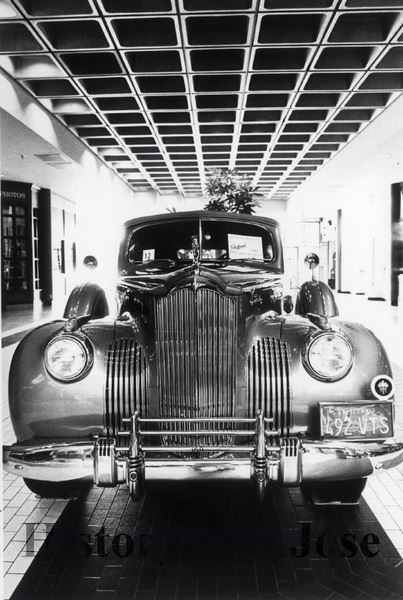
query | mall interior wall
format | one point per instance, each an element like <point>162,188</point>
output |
<point>358,183</point>
<point>30,136</point>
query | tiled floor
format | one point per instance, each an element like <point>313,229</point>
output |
<point>384,494</point>
<point>211,541</point>
<point>27,519</point>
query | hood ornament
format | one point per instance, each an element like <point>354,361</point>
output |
<point>195,250</point>
<point>196,260</point>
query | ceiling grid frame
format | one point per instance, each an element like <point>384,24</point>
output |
<point>344,99</point>
<point>303,79</point>
<point>243,90</point>
<point>175,102</point>
<point>105,123</point>
<point>193,107</point>
<point>149,119</point>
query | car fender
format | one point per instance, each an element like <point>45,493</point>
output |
<point>42,407</point>
<point>316,297</point>
<point>86,299</point>
<point>369,360</point>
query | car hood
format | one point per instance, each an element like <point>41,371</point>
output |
<point>232,278</point>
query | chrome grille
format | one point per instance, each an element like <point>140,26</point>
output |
<point>196,337</point>
<point>126,383</point>
<point>269,382</point>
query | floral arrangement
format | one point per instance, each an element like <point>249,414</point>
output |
<point>229,191</point>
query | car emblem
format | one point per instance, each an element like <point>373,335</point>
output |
<point>382,387</point>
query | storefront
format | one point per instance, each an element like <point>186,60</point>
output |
<point>38,244</point>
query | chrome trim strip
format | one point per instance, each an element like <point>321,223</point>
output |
<point>125,383</point>
<point>180,471</point>
<point>243,432</point>
<point>268,382</point>
<point>197,433</point>
<point>206,448</point>
<point>196,420</point>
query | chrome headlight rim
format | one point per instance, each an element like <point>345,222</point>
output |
<point>85,345</point>
<point>321,376</point>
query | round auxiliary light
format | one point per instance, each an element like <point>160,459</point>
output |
<point>329,356</point>
<point>67,358</point>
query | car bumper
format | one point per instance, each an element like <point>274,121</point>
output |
<point>319,461</point>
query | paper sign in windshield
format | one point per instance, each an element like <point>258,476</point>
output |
<point>245,246</point>
<point>148,255</point>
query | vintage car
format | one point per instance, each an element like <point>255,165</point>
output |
<point>206,371</point>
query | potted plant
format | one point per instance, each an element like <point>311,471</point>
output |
<point>229,191</point>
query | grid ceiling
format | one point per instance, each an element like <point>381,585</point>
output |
<point>163,90</point>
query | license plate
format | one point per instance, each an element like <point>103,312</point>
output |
<point>356,421</point>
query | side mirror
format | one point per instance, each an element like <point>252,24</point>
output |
<point>312,260</point>
<point>90,262</point>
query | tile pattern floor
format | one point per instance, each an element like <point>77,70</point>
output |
<point>211,541</point>
<point>384,494</point>
<point>27,518</point>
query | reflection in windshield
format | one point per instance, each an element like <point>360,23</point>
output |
<point>192,241</point>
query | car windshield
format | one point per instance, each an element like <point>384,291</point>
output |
<point>213,240</point>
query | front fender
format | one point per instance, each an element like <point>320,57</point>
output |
<point>369,360</point>
<point>42,407</point>
<point>86,299</point>
<point>316,297</point>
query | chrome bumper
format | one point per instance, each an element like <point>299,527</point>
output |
<point>287,460</point>
<point>56,461</point>
<point>64,462</point>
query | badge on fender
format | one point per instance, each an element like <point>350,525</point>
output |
<point>382,387</point>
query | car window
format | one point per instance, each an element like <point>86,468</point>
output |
<point>233,241</point>
<point>163,241</point>
<point>220,240</point>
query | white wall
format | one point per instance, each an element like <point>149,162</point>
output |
<point>103,200</point>
<point>358,181</point>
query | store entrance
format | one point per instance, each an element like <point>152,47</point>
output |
<point>17,260</point>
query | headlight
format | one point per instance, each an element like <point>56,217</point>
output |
<point>67,358</point>
<point>329,356</point>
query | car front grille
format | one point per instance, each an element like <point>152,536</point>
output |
<point>269,382</point>
<point>126,384</point>
<point>196,340</point>
<point>196,336</point>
